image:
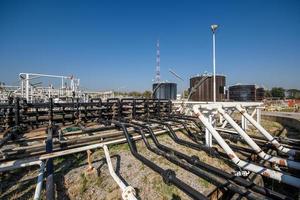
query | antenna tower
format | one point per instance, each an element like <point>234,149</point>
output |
<point>157,76</point>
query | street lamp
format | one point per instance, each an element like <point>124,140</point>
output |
<point>213,29</point>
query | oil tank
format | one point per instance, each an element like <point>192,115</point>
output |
<point>204,91</point>
<point>260,94</point>
<point>164,90</point>
<point>246,93</point>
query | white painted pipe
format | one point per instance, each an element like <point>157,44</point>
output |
<point>38,160</point>
<point>246,165</point>
<point>266,134</point>
<point>257,149</point>
<point>254,112</point>
<point>35,160</point>
<point>208,137</point>
<point>39,185</point>
<point>128,192</point>
<point>225,122</point>
<point>27,87</point>
<point>258,114</point>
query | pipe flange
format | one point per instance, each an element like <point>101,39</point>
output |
<point>194,159</point>
<point>128,193</point>
<point>214,152</point>
<point>168,175</point>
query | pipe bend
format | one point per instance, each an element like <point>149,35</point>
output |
<point>129,193</point>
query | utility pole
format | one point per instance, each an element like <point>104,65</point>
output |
<point>214,28</point>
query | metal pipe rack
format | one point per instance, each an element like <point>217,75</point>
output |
<point>123,121</point>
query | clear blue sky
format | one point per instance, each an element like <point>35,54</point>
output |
<point>111,44</point>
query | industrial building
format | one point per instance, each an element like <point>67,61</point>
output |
<point>246,93</point>
<point>201,87</point>
<point>164,90</point>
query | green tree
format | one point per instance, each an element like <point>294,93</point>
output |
<point>134,94</point>
<point>147,94</point>
<point>185,93</point>
<point>278,92</point>
<point>268,93</point>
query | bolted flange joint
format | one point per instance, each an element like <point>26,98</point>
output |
<point>168,175</point>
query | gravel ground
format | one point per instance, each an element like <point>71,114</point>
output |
<point>72,181</point>
<point>148,184</point>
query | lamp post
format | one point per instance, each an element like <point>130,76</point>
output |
<point>213,29</point>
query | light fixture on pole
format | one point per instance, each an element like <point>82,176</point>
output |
<point>213,29</point>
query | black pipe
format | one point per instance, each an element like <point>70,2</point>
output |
<point>17,111</point>
<point>10,112</point>
<point>220,183</point>
<point>49,166</point>
<point>211,151</point>
<point>49,147</point>
<point>193,137</point>
<point>233,138</point>
<point>7,135</point>
<point>168,175</point>
<point>12,133</point>
<point>194,160</point>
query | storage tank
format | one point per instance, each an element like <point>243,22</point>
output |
<point>260,94</point>
<point>164,90</point>
<point>204,91</point>
<point>246,93</point>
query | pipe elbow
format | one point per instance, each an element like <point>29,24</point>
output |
<point>129,193</point>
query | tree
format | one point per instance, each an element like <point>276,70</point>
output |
<point>186,93</point>
<point>278,92</point>
<point>147,94</point>
<point>134,94</point>
<point>293,94</point>
<point>268,93</point>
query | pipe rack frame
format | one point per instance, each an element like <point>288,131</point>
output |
<point>255,147</point>
<point>219,182</point>
<point>169,176</point>
<point>194,160</point>
<point>291,152</point>
<point>291,180</point>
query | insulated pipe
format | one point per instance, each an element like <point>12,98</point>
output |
<point>253,145</point>
<point>35,160</point>
<point>8,135</point>
<point>211,151</point>
<point>194,138</point>
<point>195,161</point>
<point>189,118</point>
<point>128,192</point>
<point>50,192</point>
<point>261,140</point>
<point>219,182</point>
<point>246,165</point>
<point>38,189</point>
<point>291,152</point>
<point>168,175</point>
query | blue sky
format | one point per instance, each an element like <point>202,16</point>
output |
<point>111,44</point>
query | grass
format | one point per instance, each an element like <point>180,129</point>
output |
<point>83,184</point>
<point>100,181</point>
<point>119,148</point>
<point>145,179</point>
<point>203,183</point>
<point>58,160</point>
<point>166,191</point>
